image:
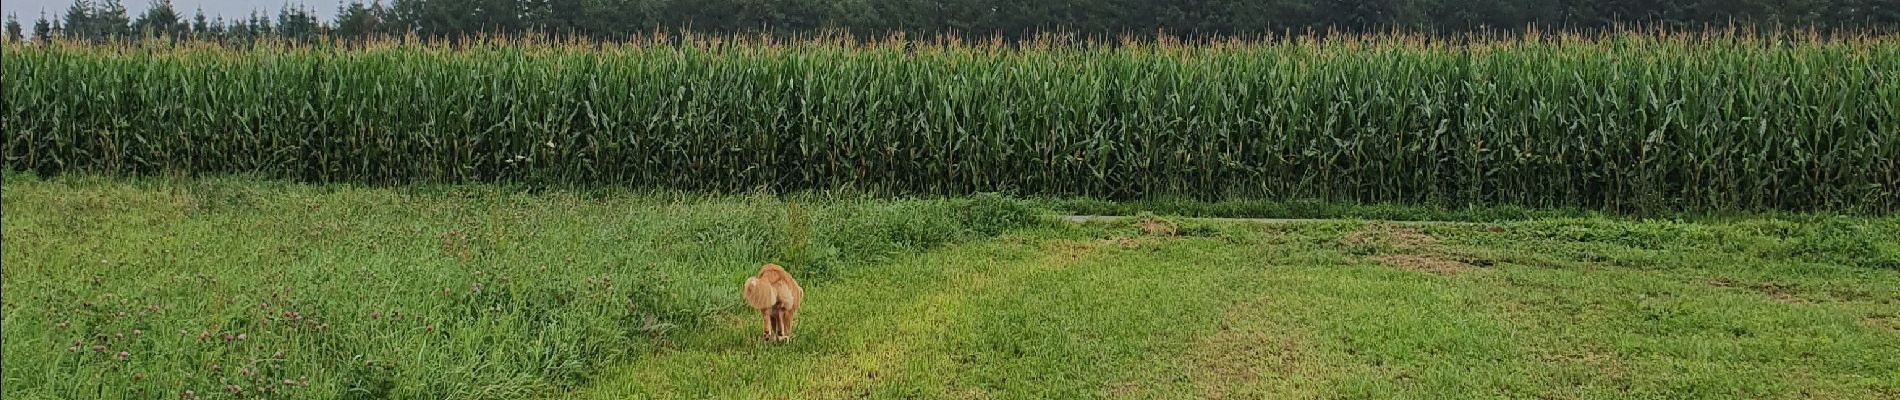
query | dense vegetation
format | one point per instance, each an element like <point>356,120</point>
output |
<point>982,18</point>
<point>232,288</point>
<point>156,288</point>
<point>1621,122</point>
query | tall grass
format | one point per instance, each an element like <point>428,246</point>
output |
<point>1627,122</point>
<point>219,288</point>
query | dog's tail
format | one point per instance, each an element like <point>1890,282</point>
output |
<point>759,295</point>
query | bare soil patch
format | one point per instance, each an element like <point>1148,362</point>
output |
<point>1890,323</point>
<point>1422,263</point>
<point>1157,227</point>
<point>1778,291</point>
<point>1411,250</point>
<point>1394,236</point>
<point>1250,355</point>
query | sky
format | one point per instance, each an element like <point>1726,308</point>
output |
<point>29,10</point>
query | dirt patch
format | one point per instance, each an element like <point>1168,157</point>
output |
<point>1396,236</point>
<point>969,394</point>
<point>1250,355</point>
<point>1151,230</point>
<point>1889,323</point>
<point>1152,226</point>
<point>1589,356</point>
<point>1122,390</point>
<point>1778,291</point>
<point>1422,263</point>
<point>1411,250</point>
<point>1067,249</point>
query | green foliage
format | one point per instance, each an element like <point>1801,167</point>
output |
<point>351,292</point>
<point>1853,242</point>
<point>1013,20</point>
<point>1624,122</point>
<point>991,213</point>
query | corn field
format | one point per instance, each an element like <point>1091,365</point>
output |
<point>1626,121</point>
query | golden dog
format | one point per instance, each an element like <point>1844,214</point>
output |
<point>776,296</point>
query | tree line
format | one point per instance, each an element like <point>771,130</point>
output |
<point>607,19</point>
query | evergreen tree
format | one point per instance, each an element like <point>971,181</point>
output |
<point>199,26</point>
<point>42,29</point>
<point>297,23</point>
<point>159,20</point>
<point>13,28</point>
<point>79,20</point>
<point>259,25</point>
<point>357,20</point>
<point>112,20</point>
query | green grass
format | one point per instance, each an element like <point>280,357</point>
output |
<point>453,292</point>
<point>1547,309</point>
<point>955,298</point>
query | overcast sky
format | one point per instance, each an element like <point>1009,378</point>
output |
<point>28,10</point>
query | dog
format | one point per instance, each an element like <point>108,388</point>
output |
<point>776,296</point>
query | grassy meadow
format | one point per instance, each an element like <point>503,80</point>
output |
<point>223,288</point>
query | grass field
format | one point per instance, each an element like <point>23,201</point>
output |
<point>240,288</point>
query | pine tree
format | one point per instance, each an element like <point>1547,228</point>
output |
<point>13,28</point>
<point>297,23</point>
<point>112,19</point>
<point>159,20</point>
<point>79,21</point>
<point>200,27</point>
<point>357,20</point>
<point>42,29</point>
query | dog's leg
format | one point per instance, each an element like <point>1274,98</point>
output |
<point>778,323</point>
<point>767,315</point>
<point>786,333</point>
